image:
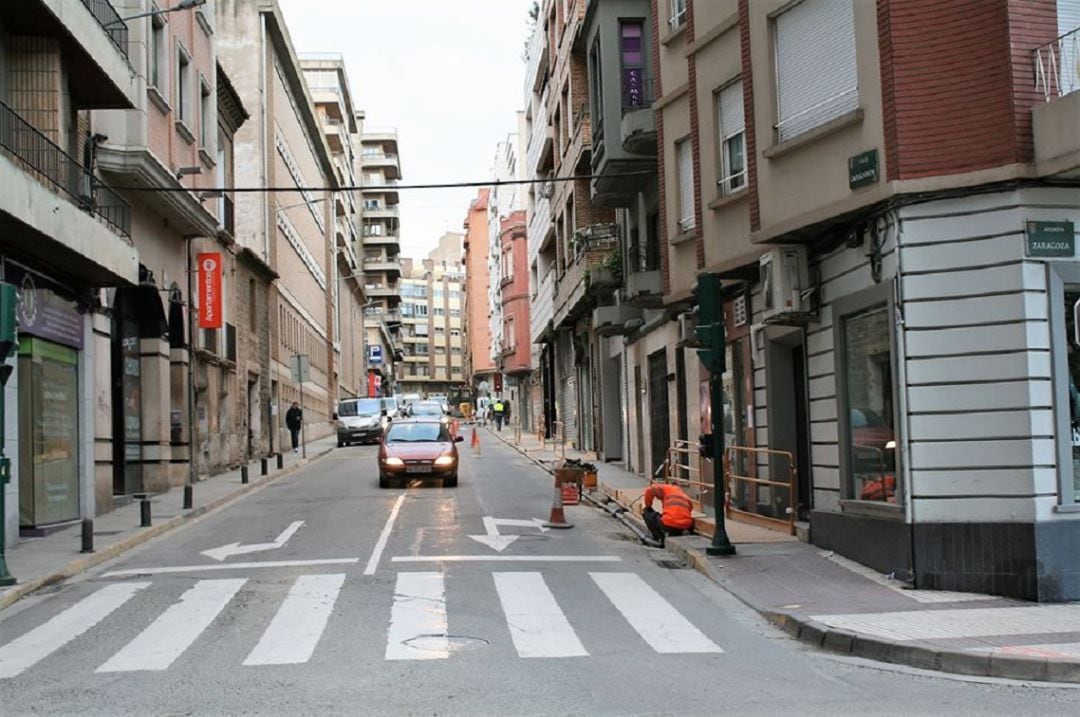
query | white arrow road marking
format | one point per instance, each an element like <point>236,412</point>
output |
<point>26,651</point>
<point>493,539</point>
<point>231,549</point>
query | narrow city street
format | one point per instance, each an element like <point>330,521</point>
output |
<point>322,594</point>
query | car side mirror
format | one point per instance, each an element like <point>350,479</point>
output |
<point>459,439</point>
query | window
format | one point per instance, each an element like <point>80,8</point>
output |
<point>455,313</point>
<point>508,334</point>
<point>865,397</point>
<point>440,350</point>
<point>597,88</point>
<point>816,75</point>
<point>632,55</point>
<point>455,334</point>
<point>158,59</point>
<point>678,14</point>
<point>685,160</point>
<point>440,312</point>
<point>206,114</point>
<point>371,204</point>
<point>507,266</point>
<point>732,138</point>
<point>421,349</point>
<point>421,330</point>
<point>183,86</point>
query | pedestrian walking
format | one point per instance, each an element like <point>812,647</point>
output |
<point>294,421</point>
<point>499,409</point>
<point>676,511</point>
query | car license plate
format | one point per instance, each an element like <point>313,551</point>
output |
<point>417,469</point>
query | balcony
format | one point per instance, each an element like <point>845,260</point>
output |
<point>97,251</point>
<point>386,188</point>
<point>539,58</point>
<point>387,162</point>
<point>392,242</point>
<point>335,131</point>
<point>612,320</point>
<point>638,124</point>
<point>382,213</point>
<point>390,289</point>
<point>616,156</point>
<point>1055,121</point>
<point>94,44</point>
<point>390,265</point>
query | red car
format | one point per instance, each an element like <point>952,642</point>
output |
<point>418,448</point>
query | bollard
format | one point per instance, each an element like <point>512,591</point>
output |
<point>189,496</point>
<point>87,535</point>
<point>144,512</point>
<point>280,460</point>
<point>244,474</point>
<point>264,466</point>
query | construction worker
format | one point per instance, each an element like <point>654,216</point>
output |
<point>500,411</point>
<point>676,516</point>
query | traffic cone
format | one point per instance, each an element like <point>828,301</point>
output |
<point>558,517</point>
<point>475,442</point>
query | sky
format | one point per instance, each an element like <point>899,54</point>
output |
<point>448,75</point>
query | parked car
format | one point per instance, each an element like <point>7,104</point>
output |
<point>391,406</point>
<point>418,448</point>
<point>359,420</point>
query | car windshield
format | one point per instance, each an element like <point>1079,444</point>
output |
<point>390,404</point>
<point>417,433</point>
<point>427,409</point>
<point>363,407</point>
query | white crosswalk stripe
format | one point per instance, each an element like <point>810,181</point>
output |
<point>537,624</point>
<point>170,635</point>
<point>654,618</point>
<point>299,623</point>
<point>26,651</point>
<point>418,627</point>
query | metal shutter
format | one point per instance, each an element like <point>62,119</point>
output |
<point>817,75</point>
<point>686,184</point>
<point>731,111</point>
<point>1068,12</point>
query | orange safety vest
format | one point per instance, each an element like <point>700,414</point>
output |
<point>678,511</point>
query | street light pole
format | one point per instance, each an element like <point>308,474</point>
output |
<point>182,5</point>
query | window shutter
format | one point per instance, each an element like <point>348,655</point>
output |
<point>1068,12</point>
<point>731,110</point>
<point>817,76</point>
<point>686,185</point>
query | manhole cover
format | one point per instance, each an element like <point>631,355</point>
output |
<point>455,643</point>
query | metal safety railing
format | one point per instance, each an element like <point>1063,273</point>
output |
<point>110,22</point>
<point>745,485</point>
<point>44,158</point>
<point>683,467</point>
<point>1057,66</point>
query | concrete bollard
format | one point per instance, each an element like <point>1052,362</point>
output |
<point>244,474</point>
<point>264,466</point>
<point>280,460</point>
<point>87,535</point>
<point>189,496</point>
<point>144,512</point>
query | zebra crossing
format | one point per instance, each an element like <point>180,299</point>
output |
<point>418,629</point>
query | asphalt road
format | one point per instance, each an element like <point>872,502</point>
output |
<point>325,617</point>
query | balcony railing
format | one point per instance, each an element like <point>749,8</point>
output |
<point>110,21</point>
<point>42,157</point>
<point>1057,66</point>
<point>637,90</point>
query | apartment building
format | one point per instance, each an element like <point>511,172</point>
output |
<point>476,251</point>
<point>515,358</point>
<point>894,226</point>
<point>293,233</point>
<point>381,232</point>
<point>433,299</point>
<point>328,82</point>
<point>67,247</point>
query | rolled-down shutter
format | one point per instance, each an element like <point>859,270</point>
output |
<point>817,75</point>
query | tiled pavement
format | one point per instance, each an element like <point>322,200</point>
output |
<point>836,604</point>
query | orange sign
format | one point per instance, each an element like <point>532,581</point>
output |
<point>209,290</point>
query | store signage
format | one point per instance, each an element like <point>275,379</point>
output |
<point>375,355</point>
<point>863,169</point>
<point>209,264</point>
<point>1050,239</point>
<point>42,312</point>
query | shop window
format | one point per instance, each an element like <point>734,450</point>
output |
<point>866,402</point>
<point>1064,284</point>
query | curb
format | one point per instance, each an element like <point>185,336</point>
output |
<point>81,565</point>
<point>843,642</point>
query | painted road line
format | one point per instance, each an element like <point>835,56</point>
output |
<point>380,546</point>
<point>506,559</point>
<point>159,645</point>
<point>537,624</point>
<point>26,651</point>
<point>653,617</point>
<point>418,628</point>
<point>299,623</point>
<point>232,566</point>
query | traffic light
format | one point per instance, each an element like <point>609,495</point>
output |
<point>8,297</point>
<point>710,325</point>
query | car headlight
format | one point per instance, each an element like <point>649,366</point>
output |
<point>393,461</point>
<point>444,461</point>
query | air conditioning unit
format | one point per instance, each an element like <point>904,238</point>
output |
<point>784,278</point>
<point>687,324</point>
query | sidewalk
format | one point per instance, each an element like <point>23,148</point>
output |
<point>841,606</point>
<point>37,562</point>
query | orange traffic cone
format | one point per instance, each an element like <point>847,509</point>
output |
<point>558,517</point>
<point>475,442</point>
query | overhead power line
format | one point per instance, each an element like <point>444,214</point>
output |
<point>389,187</point>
